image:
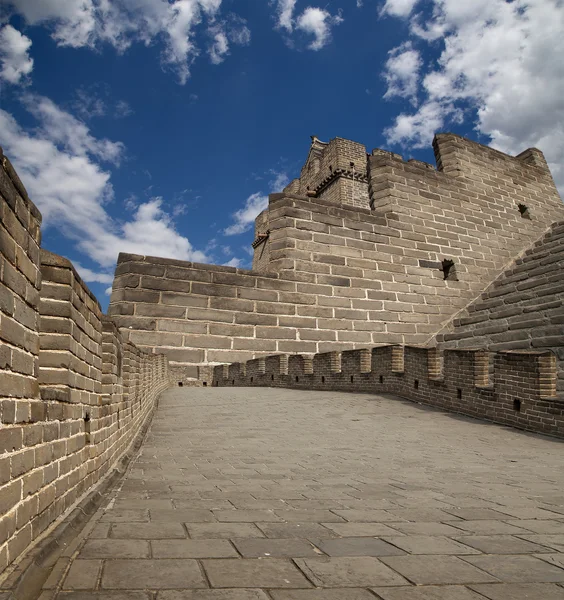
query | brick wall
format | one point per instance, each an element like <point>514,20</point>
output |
<point>520,392</point>
<point>522,309</point>
<point>334,276</point>
<point>73,392</point>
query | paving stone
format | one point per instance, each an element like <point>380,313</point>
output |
<point>430,592</point>
<point>429,544</point>
<point>554,542</point>
<point>82,575</point>
<point>365,516</point>
<point>237,594</point>
<point>313,516</point>
<point>531,512</point>
<point>125,516</point>
<point>501,544</point>
<point>152,574</point>
<point>254,572</point>
<point>553,559</point>
<point>108,595</point>
<point>520,591</point>
<point>476,514</point>
<point>282,548</point>
<point>426,528</point>
<point>355,571</point>
<point>223,530</point>
<point>110,548</point>
<point>360,529</point>
<point>421,514</point>
<point>182,516</point>
<point>540,526</point>
<point>333,594</point>
<point>357,546</point>
<point>200,548</point>
<point>147,531</point>
<point>489,528</point>
<point>295,530</point>
<point>437,570</point>
<point>246,516</point>
<point>518,569</point>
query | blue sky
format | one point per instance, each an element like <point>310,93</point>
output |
<point>160,126</point>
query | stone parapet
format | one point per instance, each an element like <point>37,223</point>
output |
<point>518,390</point>
<point>73,392</point>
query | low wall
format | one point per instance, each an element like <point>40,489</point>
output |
<point>73,392</point>
<point>519,391</point>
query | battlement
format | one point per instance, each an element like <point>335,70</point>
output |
<point>516,388</point>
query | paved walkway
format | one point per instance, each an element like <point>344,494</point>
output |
<point>256,494</point>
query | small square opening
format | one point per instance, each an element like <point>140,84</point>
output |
<point>459,393</point>
<point>517,405</point>
<point>252,378</point>
<point>524,210</point>
<point>416,384</point>
<point>205,383</point>
<point>297,378</point>
<point>180,384</point>
<point>381,379</point>
<point>323,379</point>
<point>352,378</point>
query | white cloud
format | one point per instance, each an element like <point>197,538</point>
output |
<point>234,262</point>
<point>245,217</point>
<point>402,72</point>
<point>255,204</point>
<point>58,163</point>
<point>91,276</point>
<point>14,55</point>
<point>120,23</point>
<point>222,33</point>
<point>501,64</point>
<point>399,8</point>
<point>122,109</point>
<point>285,12</point>
<point>317,22</point>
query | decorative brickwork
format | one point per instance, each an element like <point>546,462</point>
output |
<point>521,394</point>
<point>73,393</point>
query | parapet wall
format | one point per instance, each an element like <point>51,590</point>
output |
<point>73,392</point>
<point>522,309</point>
<point>520,389</point>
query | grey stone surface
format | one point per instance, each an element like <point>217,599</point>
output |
<point>152,574</point>
<point>355,571</point>
<point>394,470</point>
<point>256,572</point>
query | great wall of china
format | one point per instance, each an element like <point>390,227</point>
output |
<point>442,285</point>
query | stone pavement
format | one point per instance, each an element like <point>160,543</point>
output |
<point>256,494</point>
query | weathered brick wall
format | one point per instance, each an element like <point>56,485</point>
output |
<point>520,392</point>
<point>73,393</point>
<point>523,308</point>
<point>336,172</point>
<point>341,276</point>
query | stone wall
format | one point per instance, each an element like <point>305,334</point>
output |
<point>522,309</point>
<point>520,391</point>
<point>333,276</point>
<point>73,392</point>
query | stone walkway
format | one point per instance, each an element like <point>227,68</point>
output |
<point>256,494</point>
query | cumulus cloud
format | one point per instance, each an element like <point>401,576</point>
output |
<point>59,161</point>
<point>255,204</point>
<point>402,72</point>
<point>312,21</point>
<point>91,276</point>
<point>399,8</point>
<point>234,30</point>
<point>285,13</point>
<point>317,22</point>
<point>120,23</point>
<point>16,64</point>
<point>501,65</point>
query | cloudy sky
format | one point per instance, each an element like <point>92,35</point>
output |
<point>161,126</point>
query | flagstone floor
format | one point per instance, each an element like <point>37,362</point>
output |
<point>256,494</point>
